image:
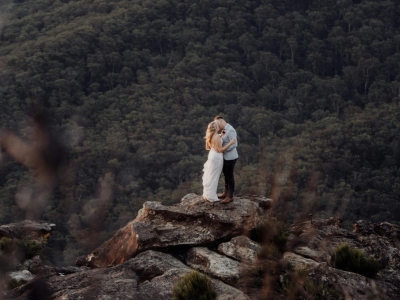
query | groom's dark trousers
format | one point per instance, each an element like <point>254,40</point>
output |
<point>230,158</point>
<point>227,169</point>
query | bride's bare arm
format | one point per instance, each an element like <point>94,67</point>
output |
<point>218,144</point>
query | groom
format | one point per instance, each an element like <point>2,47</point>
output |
<point>230,158</point>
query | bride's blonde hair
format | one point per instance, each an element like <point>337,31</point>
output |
<point>212,128</point>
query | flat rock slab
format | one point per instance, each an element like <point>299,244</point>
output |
<point>299,262</point>
<point>159,273</point>
<point>26,230</point>
<point>214,264</point>
<point>318,256</point>
<point>240,248</point>
<point>150,264</point>
<point>192,222</point>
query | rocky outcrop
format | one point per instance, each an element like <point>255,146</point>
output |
<point>384,229</point>
<point>313,243</point>
<point>192,222</point>
<point>149,276</point>
<point>20,241</point>
<point>145,259</point>
<point>26,230</point>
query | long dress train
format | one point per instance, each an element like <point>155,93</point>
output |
<point>212,171</point>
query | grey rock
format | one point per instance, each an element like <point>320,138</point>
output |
<point>240,248</point>
<point>34,265</point>
<point>161,287</point>
<point>26,230</point>
<point>150,264</point>
<point>299,262</point>
<point>262,201</point>
<point>214,264</point>
<point>384,229</point>
<point>352,285</point>
<point>159,272</point>
<point>20,276</point>
<point>318,256</point>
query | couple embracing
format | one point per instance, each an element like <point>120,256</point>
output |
<point>222,156</point>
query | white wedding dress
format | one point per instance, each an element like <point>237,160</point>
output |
<point>212,171</point>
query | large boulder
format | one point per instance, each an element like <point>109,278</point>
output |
<point>192,222</point>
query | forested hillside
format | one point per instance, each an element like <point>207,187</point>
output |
<point>312,88</point>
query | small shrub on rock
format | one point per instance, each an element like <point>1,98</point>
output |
<point>14,283</point>
<point>194,286</point>
<point>354,260</point>
<point>6,245</point>
<point>32,248</point>
<point>297,285</point>
<point>320,291</point>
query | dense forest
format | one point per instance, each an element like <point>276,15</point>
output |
<point>312,88</point>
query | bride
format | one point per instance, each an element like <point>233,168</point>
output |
<point>213,166</point>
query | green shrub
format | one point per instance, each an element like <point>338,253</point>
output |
<point>5,263</point>
<point>281,237</point>
<point>31,248</point>
<point>6,245</point>
<point>297,285</point>
<point>258,233</point>
<point>194,286</point>
<point>351,259</point>
<point>256,275</point>
<point>320,291</point>
<point>14,283</point>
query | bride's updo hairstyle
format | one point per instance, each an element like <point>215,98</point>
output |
<point>211,129</point>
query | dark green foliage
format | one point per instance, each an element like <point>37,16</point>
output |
<point>6,245</point>
<point>8,249</point>
<point>258,234</point>
<point>14,283</point>
<point>5,263</point>
<point>194,286</point>
<point>273,234</point>
<point>31,248</point>
<point>20,249</point>
<point>256,275</point>
<point>354,260</point>
<point>280,239</point>
<point>320,291</point>
<point>296,283</point>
